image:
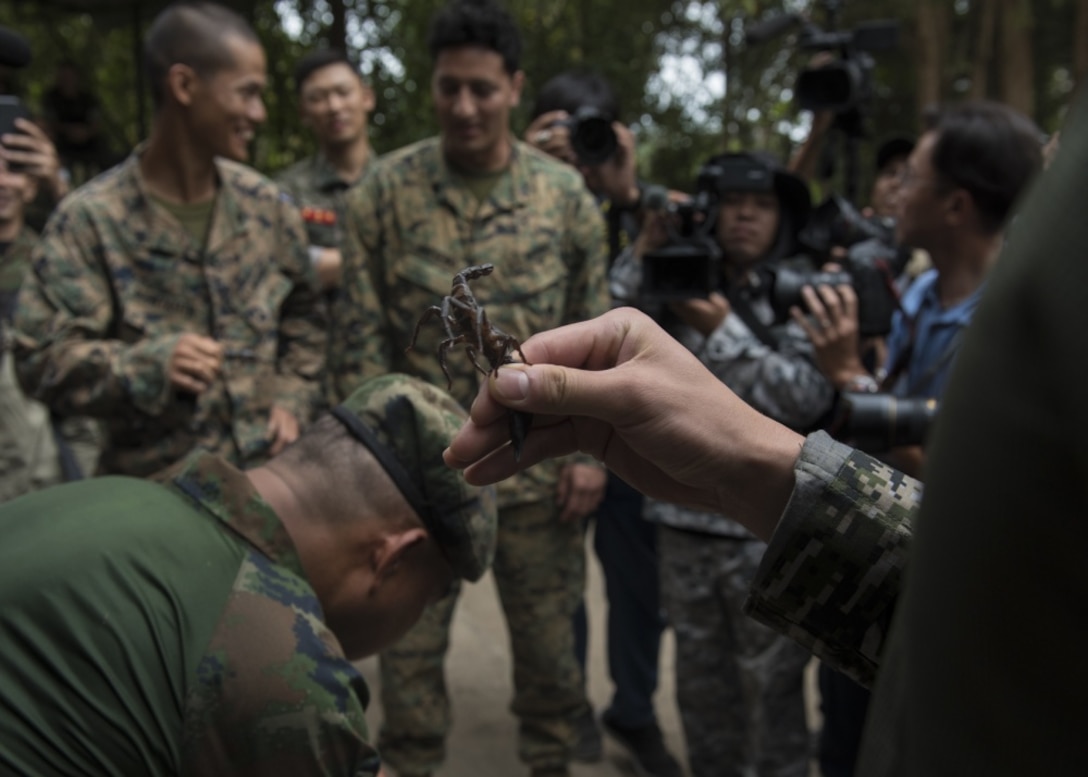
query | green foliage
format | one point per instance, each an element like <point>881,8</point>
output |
<point>671,62</point>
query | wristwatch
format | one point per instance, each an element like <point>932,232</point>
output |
<point>862,384</point>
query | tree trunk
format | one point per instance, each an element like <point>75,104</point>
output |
<point>732,78</point>
<point>984,50</point>
<point>338,30</point>
<point>1018,63</point>
<point>932,45</point>
<point>1080,42</point>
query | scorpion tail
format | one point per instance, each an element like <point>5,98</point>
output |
<point>519,423</point>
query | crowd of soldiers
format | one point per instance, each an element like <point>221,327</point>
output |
<point>182,302</point>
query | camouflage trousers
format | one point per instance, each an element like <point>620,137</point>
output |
<point>739,685</point>
<point>539,571</point>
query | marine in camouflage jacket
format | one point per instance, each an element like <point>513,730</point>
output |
<point>31,456</point>
<point>13,266</point>
<point>413,224</point>
<point>831,575</point>
<point>168,628</point>
<point>320,194</point>
<point>115,282</point>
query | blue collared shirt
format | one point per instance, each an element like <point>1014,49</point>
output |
<point>937,333</point>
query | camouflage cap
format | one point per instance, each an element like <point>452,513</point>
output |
<point>407,423</point>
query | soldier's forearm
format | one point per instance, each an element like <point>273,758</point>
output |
<point>98,378</point>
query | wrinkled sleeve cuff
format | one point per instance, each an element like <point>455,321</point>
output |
<point>831,574</point>
<point>143,372</point>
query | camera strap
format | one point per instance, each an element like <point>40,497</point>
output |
<point>741,303</point>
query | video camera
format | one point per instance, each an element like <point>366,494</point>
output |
<point>689,264</point>
<point>591,135</point>
<point>841,85</point>
<point>879,422</point>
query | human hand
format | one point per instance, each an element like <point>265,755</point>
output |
<point>621,389</point>
<point>550,136</point>
<point>34,151</point>
<point>194,363</point>
<point>833,330</point>
<point>327,266</point>
<point>703,315</point>
<point>581,489</point>
<point>282,429</point>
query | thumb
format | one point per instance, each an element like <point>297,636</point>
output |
<point>554,390</point>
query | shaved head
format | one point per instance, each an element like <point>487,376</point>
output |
<point>193,34</point>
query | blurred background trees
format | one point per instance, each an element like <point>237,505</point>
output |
<point>689,82</point>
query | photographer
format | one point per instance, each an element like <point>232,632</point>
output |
<point>739,685</point>
<point>575,119</point>
<point>956,193</point>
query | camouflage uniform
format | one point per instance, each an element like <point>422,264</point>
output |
<point>116,281</point>
<point>320,194</point>
<point>169,628</point>
<point>199,638</point>
<point>30,457</point>
<point>739,684</point>
<point>414,225</point>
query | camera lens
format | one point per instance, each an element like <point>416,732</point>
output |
<point>592,138</point>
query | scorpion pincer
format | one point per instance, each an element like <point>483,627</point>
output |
<point>466,323</point>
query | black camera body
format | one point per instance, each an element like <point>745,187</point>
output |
<point>845,83</point>
<point>591,135</point>
<point>689,265</point>
<point>879,422</point>
<point>871,265</point>
<point>872,282</point>
<point>837,223</point>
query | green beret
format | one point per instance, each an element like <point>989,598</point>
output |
<point>407,423</point>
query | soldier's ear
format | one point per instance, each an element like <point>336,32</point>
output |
<point>181,83</point>
<point>517,81</point>
<point>369,101</point>
<point>388,558</point>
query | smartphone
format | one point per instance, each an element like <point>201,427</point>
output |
<point>10,110</point>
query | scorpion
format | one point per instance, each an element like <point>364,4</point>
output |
<point>466,323</point>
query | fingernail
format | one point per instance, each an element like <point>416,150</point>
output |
<point>512,383</point>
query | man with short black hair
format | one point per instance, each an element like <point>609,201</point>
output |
<point>172,297</point>
<point>471,196</point>
<point>205,624</point>
<point>955,196</point>
<point>334,102</point>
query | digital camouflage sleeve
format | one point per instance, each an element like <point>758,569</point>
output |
<point>831,575</point>
<point>273,693</point>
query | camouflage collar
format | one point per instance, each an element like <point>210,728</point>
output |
<point>326,179</point>
<point>162,232</point>
<point>514,190</point>
<point>226,492</point>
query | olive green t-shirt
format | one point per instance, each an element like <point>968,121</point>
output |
<point>194,217</point>
<point>100,618</point>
